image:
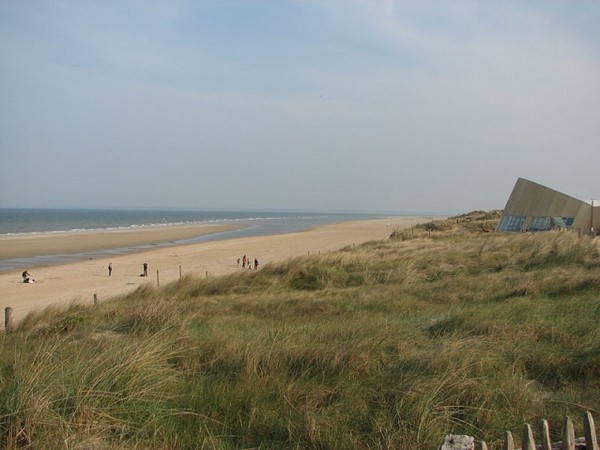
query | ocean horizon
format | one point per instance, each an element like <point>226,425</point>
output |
<point>17,221</point>
<point>23,222</point>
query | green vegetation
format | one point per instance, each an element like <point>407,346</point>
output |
<point>392,344</point>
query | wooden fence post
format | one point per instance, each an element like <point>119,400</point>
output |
<point>95,299</point>
<point>568,435</point>
<point>545,435</point>
<point>589,430</point>
<point>180,271</point>
<point>8,319</point>
<point>157,279</point>
<point>527,441</point>
<point>509,442</point>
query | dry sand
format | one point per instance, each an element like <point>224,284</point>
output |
<point>78,282</point>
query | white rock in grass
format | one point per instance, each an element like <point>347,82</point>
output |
<point>458,442</point>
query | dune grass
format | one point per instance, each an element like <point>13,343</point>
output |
<point>391,344</point>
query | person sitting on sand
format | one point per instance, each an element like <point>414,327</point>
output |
<point>27,278</point>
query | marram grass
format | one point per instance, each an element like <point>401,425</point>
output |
<point>392,344</point>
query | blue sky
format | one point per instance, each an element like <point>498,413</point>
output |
<point>353,105</point>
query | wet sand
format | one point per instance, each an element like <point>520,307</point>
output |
<point>79,281</point>
<point>24,246</point>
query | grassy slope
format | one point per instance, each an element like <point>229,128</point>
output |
<point>392,344</point>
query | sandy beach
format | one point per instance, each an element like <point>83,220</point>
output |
<point>79,281</point>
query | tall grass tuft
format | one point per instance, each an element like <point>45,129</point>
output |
<point>102,392</point>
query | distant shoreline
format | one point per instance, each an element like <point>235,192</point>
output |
<point>75,244</point>
<point>23,251</point>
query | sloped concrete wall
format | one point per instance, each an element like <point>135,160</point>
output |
<point>531,199</point>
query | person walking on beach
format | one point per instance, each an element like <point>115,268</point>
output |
<point>145,266</point>
<point>244,259</point>
<point>110,269</point>
<point>255,264</point>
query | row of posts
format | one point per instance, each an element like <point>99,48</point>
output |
<point>8,311</point>
<point>588,442</point>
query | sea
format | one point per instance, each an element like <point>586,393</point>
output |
<point>23,222</point>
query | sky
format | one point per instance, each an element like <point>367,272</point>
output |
<point>305,105</point>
